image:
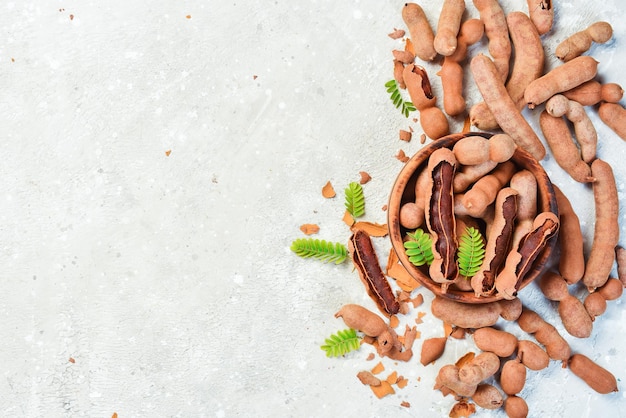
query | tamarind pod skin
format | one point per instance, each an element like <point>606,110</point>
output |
<point>541,14</point>
<point>606,227</point>
<point>597,377</point>
<point>570,240</point>
<point>562,78</point>
<point>614,116</point>
<point>507,115</point>
<point>366,262</point>
<point>440,217</point>
<point>422,34</point>
<point>448,26</point>
<point>398,68</point>
<point>565,152</point>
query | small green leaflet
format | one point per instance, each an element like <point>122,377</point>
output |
<point>320,249</point>
<point>419,248</point>
<point>341,343</point>
<point>396,98</point>
<point>355,199</point>
<point>471,252</point>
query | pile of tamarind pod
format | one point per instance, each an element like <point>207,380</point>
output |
<point>510,79</point>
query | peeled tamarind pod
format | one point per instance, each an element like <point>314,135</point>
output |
<point>580,42</point>
<point>422,34</point>
<point>448,26</point>
<point>606,227</point>
<point>562,78</point>
<point>499,342</point>
<point>484,191</point>
<point>498,242</point>
<point>614,116</point>
<point>593,92</point>
<point>531,355</point>
<point>488,396</point>
<point>597,377</point>
<point>541,13</point>
<point>564,150</point>
<point>515,407</point>
<point>586,135</point>
<point>513,376</point>
<point>519,260</point>
<point>556,347</point>
<point>570,240</point>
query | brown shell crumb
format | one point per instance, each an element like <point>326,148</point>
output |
<point>392,378</point>
<point>378,368</point>
<point>365,177</point>
<point>394,321</point>
<point>309,229</point>
<point>397,33</point>
<point>405,404</point>
<point>367,378</point>
<point>401,156</point>
<point>348,219</point>
<point>383,389</point>
<point>405,135</point>
<point>370,357</point>
<point>328,191</point>
<point>417,300</point>
<point>422,138</point>
<point>373,229</point>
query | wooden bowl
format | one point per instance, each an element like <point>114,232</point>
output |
<point>404,191</point>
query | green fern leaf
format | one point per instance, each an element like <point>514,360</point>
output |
<point>419,248</point>
<point>341,343</point>
<point>355,199</point>
<point>471,252</point>
<point>397,100</point>
<point>320,249</point>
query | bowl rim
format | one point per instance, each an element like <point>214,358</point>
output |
<point>520,157</point>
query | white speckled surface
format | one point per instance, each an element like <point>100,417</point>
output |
<point>168,279</point>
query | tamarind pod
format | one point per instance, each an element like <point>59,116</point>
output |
<point>366,263</point>
<point>564,150</point>
<point>440,216</point>
<point>448,377</point>
<point>497,32</point>
<point>606,227</point>
<point>499,342</point>
<point>545,333</point>
<point>541,14</point>
<point>501,147</point>
<point>620,257</point>
<point>474,316</point>
<point>500,233</point>
<point>519,261</point>
<point>470,173</point>
<point>612,289</point>
<point>481,117</point>
<point>562,78</point>
<point>597,377</point>
<point>515,407</point>
<point>471,150</point>
<point>553,286</point>
<point>595,304</point>
<point>513,376</point>
<point>532,356</point>
<point>614,116</point>
<point>432,119</point>
<point>575,318</point>
<point>481,367</point>
<point>448,26</point>
<point>570,240</point>
<point>366,321</point>
<point>586,136</point>
<point>422,34</point>
<point>593,92</point>
<point>451,72</point>
<point>483,193</point>
<point>488,396</point>
<point>507,115</point>
<point>580,42</point>
<point>525,183</point>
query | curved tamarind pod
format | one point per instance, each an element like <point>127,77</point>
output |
<point>545,333</point>
<point>497,32</point>
<point>606,227</point>
<point>597,377</point>
<point>586,135</point>
<point>541,14</point>
<point>440,216</point>
<point>366,321</point>
<point>483,193</point>
<point>562,78</point>
<point>614,116</point>
<point>422,34</point>
<point>519,260</point>
<point>366,262</point>
<point>500,233</point>
<point>448,26</point>
<point>580,42</point>
<point>572,259</point>
<point>433,121</point>
<point>504,110</point>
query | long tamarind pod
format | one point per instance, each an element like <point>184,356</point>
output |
<point>570,239</point>
<point>422,34</point>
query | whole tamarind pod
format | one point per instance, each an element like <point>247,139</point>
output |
<point>595,303</point>
<point>532,356</point>
<point>597,377</point>
<point>488,396</point>
<point>499,342</point>
<point>586,135</point>
<point>570,240</point>
<point>448,377</point>
<point>481,367</point>
<point>366,321</point>
<point>484,192</point>
<point>513,376</point>
<point>500,234</point>
<point>620,257</point>
<point>432,119</point>
<point>470,174</point>
<point>497,33</point>
<point>474,316</point>
<point>440,217</point>
<point>606,227</point>
<point>422,34</point>
<point>515,407</point>
<point>541,13</point>
<point>593,92</point>
<point>562,78</point>
<point>448,26</point>
<point>556,347</point>
<point>614,116</point>
<point>579,42</point>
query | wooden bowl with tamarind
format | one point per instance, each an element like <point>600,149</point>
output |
<point>473,217</point>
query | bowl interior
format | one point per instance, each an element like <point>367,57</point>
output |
<point>404,191</point>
